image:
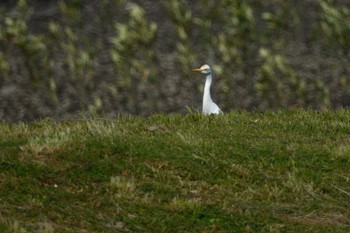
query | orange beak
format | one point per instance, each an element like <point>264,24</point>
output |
<point>197,70</point>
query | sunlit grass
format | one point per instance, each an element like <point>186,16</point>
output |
<point>285,171</point>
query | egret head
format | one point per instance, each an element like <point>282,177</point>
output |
<point>205,69</point>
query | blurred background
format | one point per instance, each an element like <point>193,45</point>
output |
<point>114,57</point>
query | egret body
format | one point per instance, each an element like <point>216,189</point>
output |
<point>209,107</point>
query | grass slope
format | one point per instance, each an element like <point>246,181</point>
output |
<point>286,171</point>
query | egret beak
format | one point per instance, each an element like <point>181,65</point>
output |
<point>197,70</point>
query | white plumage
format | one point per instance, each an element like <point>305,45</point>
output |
<point>209,107</point>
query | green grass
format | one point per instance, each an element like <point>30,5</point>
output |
<point>285,171</point>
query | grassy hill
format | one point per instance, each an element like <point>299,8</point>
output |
<point>286,171</point>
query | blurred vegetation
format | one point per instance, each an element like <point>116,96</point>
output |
<point>60,58</point>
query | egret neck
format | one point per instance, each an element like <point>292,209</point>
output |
<point>206,96</point>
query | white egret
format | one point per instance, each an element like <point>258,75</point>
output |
<point>209,107</point>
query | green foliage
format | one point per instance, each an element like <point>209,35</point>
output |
<point>132,54</point>
<point>233,43</point>
<point>182,18</point>
<point>282,171</point>
<point>16,39</point>
<point>75,52</point>
<point>238,45</point>
<point>278,83</point>
<point>116,56</point>
<point>335,24</point>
